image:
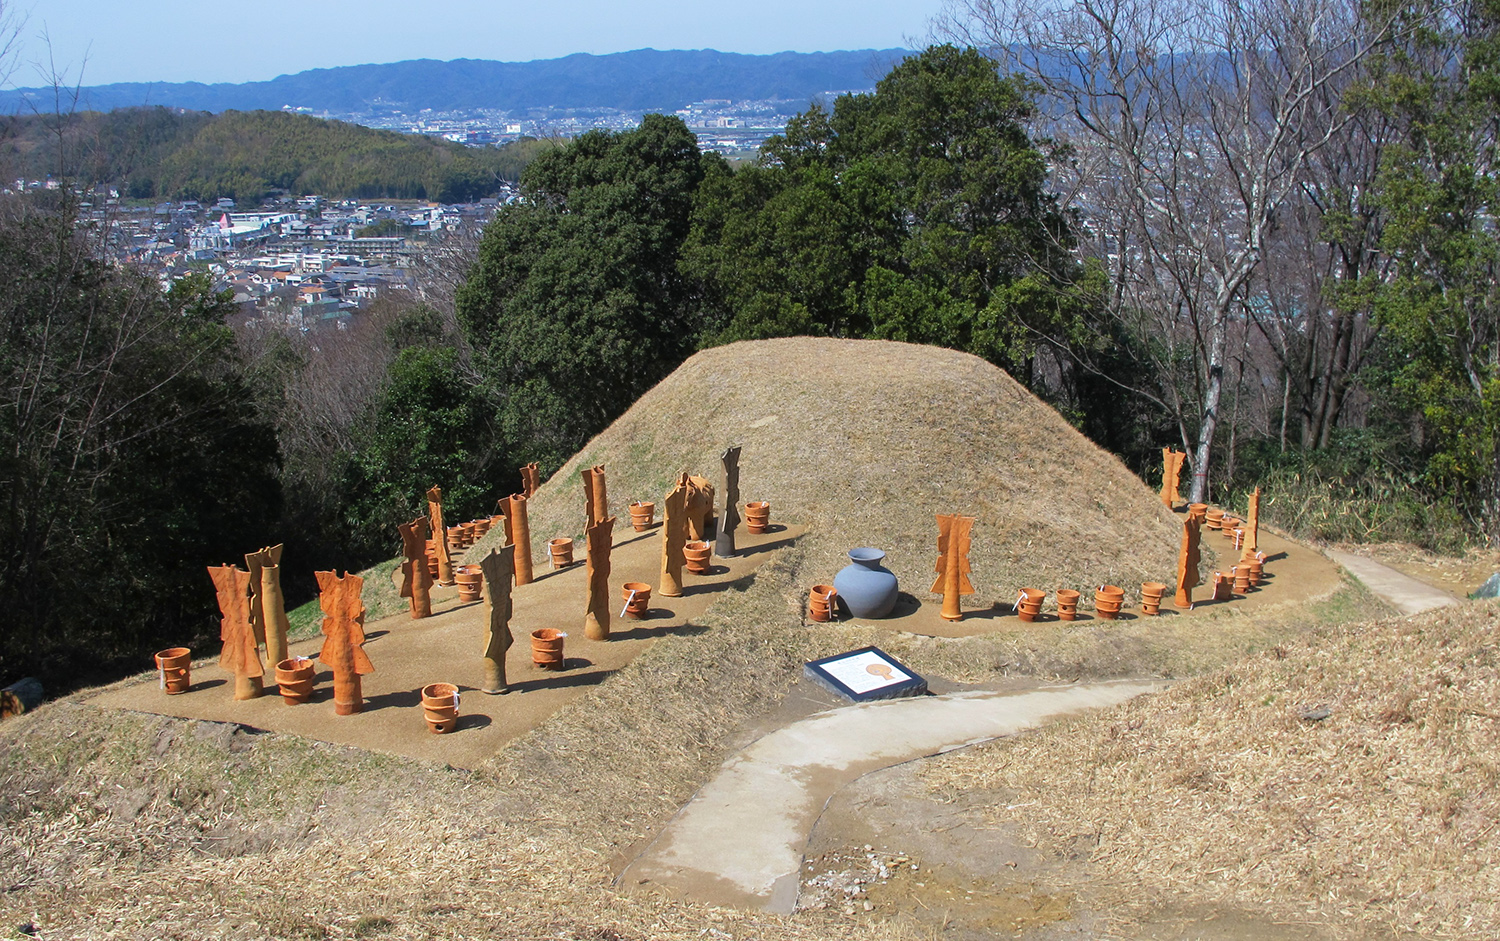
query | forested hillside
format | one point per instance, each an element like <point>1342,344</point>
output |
<point>165,153</point>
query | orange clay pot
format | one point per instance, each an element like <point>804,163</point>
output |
<point>440,707</point>
<point>637,599</point>
<point>820,602</point>
<point>699,557</point>
<point>294,677</point>
<point>175,667</point>
<point>561,549</point>
<point>1255,570</point>
<point>1223,587</point>
<point>1199,510</point>
<point>642,515</point>
<point>470,582</point>
<point>547,648</point>
<point>1213,517</point>
<point>757,516</point>
<point>1067,604</point>
<point>481,526</point>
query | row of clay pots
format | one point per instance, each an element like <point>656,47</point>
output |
<point>757,516</point>
<point>642,515</point>
<point>1108,600</point>
<point>547,648</point>
<point>440,707</point>
<point>470,582</point>
<point>637,599</point>
<point>561,550</point>
<point>820,603</point>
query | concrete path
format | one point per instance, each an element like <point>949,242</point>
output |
<point>740,840</point>
<point>1405,593</point>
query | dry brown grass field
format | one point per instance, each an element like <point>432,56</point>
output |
<point>127,825</point>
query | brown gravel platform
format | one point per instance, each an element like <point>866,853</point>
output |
<point>409,654</point>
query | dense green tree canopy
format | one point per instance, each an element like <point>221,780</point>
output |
<point>575,306</point>
<point>917,213</point>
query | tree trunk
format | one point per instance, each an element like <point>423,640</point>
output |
<point>1213,391</point>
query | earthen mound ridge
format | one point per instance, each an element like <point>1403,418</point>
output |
<point>864,441</point>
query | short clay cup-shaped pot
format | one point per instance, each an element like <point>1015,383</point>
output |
<point>547,648</point>
<point>757,516</point>
<point>438,695</point>
<point>1213,517</point>
<point>481,526</point>
<point>1227,526</point>
<point>1199,510</point>
<point>561,550</point>
<point>820,602</point>
<point>175,666</point>
<point>637,597</point>
<point>642,515</point>
<point>699,557</point>
<point>294,677</point>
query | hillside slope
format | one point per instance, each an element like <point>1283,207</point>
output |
<point>865,441</point>
<point>1351,779</point>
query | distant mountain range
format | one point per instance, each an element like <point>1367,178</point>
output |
<point>643,80</point>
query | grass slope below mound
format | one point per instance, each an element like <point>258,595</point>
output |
<point>1378,819</point>
<point>865,441</point>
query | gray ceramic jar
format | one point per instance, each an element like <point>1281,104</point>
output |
<point>866,587</point>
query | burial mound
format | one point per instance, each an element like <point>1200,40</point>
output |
<point>864,441</point>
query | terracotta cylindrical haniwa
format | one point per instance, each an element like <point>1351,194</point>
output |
<point>561,549</point>
<point>637,597</point>
<point>699,557</point>
<point>455,537</point>
<point>1029,603</point>
<point>1213,517</point>
<point>1223,587</point>
<point>470,582</point>
<point>481,526</point>
<point>1067,604</point>
<point>1151,594</point>
<point>440,707</point>
<point>1198,509</point>
<point>1108,600</point>
<point>1241,575</point>
<point>820,603</point>
<point>642,515</point>
<point>1255,569</point>
<point>757,516</point>
<point>547,648</point>
<point>175,665</point>
<point>1228,524</point>
<point>294,676</point>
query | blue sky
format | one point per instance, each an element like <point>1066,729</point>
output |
<point>214,41</point>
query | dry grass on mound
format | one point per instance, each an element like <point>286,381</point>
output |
<point>865,441</point>
<point>1380,817</point>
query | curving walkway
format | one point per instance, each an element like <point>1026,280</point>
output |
<point>1401,591</point>
<point>739,841</point>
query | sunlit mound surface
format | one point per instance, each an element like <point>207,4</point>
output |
<point>865,441</point>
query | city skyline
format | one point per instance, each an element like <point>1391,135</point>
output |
<point>91,42</point>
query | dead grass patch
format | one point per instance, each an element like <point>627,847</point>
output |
<point>1226,788</point>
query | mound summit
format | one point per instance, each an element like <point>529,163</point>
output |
<point>864,441</point>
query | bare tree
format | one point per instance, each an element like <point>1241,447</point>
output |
<point>1194,124</point>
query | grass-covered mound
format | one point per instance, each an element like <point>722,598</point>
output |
<point>864,441</point>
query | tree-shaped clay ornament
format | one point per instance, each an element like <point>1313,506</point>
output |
<point>518,533</point>
<point>1171,475</point>
<point>1187,561</point>
<point>499,568</point>
<point>439,535</point>
<point>1251,544</point>
<point>344,636</point>
<point>674,539</point>
<point>729,512</point>
<point>531,479</point>
<point>596,620</point>
<point>595,495</point>
<point>240,655</point>
<point>953,562</point>
<point>415,580</point>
